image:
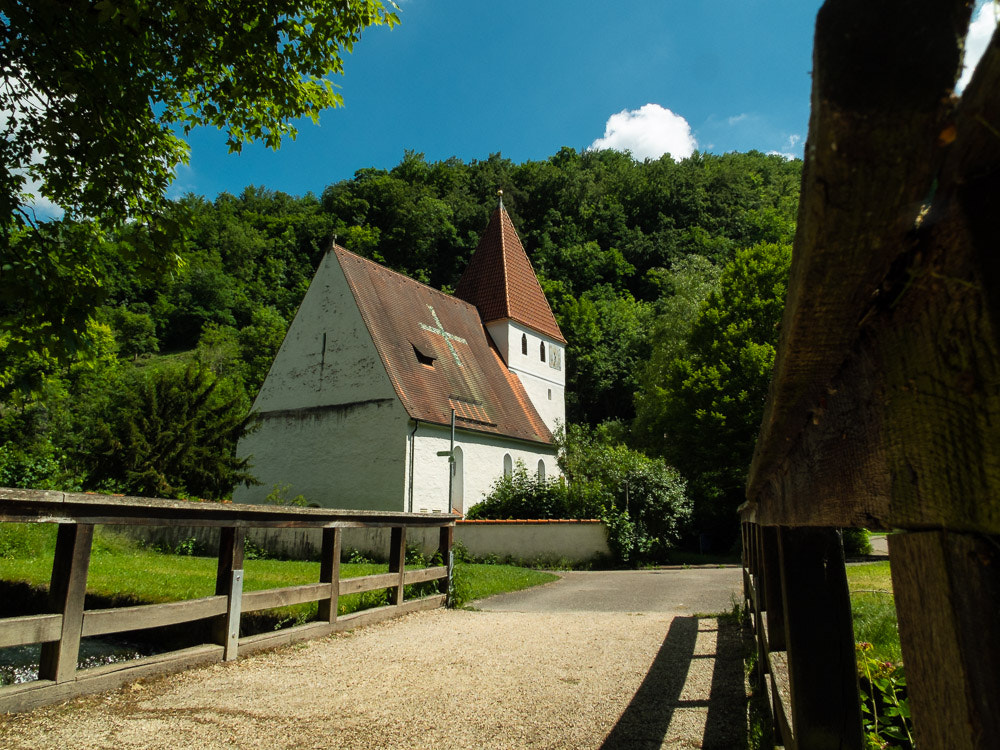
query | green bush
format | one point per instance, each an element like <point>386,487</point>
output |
<point>642,500</point>
<point>525,496</point>
<point>31,469</point>
<point>857,542</point>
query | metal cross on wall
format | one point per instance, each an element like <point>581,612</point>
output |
<point>448,337</point>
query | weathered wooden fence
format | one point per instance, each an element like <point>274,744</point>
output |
<point>60,630</point>
<point>884,409</point>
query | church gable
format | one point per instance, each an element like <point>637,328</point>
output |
<point>438,355</point>
<point>328,356</point>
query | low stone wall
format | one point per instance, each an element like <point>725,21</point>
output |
<point>523,541</point>
<point>546,541</point>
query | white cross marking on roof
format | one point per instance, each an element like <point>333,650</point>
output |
<point>448,337</point>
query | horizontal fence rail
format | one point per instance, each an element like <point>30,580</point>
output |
<point>59,631</point>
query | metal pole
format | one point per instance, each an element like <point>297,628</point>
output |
<point>451,461</point>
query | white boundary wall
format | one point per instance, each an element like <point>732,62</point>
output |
<point>527,541</point>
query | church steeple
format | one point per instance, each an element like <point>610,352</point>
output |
<point>501,283</point>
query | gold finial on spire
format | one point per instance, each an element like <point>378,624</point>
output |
<point>500,195</point>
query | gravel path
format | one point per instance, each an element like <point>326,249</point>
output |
<point>437,679</point>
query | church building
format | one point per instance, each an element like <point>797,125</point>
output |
<point>358,407</point>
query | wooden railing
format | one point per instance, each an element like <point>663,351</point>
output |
<point>795,589</point>
<point>60,630</point>
<point>884,408</point>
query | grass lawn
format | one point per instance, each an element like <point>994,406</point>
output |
<point>121,570</point>
<point>874,610</point>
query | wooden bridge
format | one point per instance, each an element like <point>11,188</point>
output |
<point>884,409</point>
<point>60,630</point>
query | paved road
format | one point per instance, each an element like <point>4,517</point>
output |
<point>880,545</point>
<point>682,591</point>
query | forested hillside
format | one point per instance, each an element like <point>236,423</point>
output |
<point>666,278</point>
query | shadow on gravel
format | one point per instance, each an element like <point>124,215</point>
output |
<point>646,719</point>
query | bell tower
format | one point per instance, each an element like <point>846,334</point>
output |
<point>502,284</point>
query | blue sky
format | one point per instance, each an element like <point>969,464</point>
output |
<point>468,79</point>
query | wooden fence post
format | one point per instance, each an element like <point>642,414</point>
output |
<point>771,576</point>
<point>329,572</point>
<point>947,591</point>
<point>822,667</point>
<point>397,561</point>
<point>445,543</point>
<point>229,583</point>
<point>67,591</point>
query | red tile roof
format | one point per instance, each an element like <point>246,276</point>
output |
<point>501,282</point>
<point>466,372</point>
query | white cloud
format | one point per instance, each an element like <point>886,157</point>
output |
<point>793,141</point>
<point>980,32</point>
<point>648,132</point>
<point>737,118</point>
<point>784,154</point>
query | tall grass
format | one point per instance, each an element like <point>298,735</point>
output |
<point>874,610</point>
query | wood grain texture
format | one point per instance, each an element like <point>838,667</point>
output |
<point>230,561</point>
<point>822,671</point>
<point>425,574</point>
<point>906,433</point>
<point>254,601</point>
<point>20,505</point>
<point>329,573</point>
<point>882,77</point>
<point>67,590</point>
<point>397,562</point>
<point>771,577</point>
<point>368,583</point>
<point>123,619</point>
<point>28,695</point>
<point>22,631</point>
<point>947,589</point>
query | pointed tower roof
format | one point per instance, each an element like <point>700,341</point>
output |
<point>501,283</point>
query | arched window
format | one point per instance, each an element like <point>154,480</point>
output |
<point>541,351</point>
<point>524,344</point>
<point>458,482</point>
<point>508,465</point>
<point>541,470</point>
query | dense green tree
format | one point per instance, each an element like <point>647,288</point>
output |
<point>135,332</point>
<point>259,343</point>
<point>607,342</point>
<point>171,432</point>
<point>95,94</point>
<point>714,393</point>
<point>685,287</point>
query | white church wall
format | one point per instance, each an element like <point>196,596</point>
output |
<point>333,428</point>
<point>336,456</point>
<point>482,463</point>
<point>328,356</point>
<point>544,382</point>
